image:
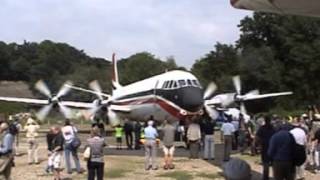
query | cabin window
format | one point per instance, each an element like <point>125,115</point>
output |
<point>182,83</point>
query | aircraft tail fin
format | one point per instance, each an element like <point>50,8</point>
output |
<point>115,78</point>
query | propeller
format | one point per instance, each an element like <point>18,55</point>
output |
<point>44,111</point>
<point>95,86</point>
<point>212,87</point>
<point>43,88</point>
<point>237,84</point>
<point>97,103</point>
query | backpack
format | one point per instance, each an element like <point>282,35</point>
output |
<point>299,155</point>
<point>76,142</point>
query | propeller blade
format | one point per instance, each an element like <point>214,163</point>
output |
<point>113,118</point>
<point>65,110</point>
<point>237,84</point>
<point>64,89</point>
<point>43,88</point>
<point>95,86</point>
<point>212,87</point>
<point>211,112</point>
<point>44,111</point>
<point>243,108</point>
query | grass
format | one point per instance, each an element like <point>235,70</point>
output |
<point>115,173</point>
<point>209,175</point>
<point>178,175</point>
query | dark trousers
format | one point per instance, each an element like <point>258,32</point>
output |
<point>227,147</point>
<point>95,169</point>
<point>283,170</point>
<point>266,166</point>
<point>137,140</point>
<point>194,149</point>
<point>235,140</point>
<point>129,139</point>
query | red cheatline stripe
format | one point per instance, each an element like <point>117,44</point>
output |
<point>163,104</point>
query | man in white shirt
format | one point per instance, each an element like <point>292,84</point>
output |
<point>301,138</point>
<point>31,129</point>
<point>227,130</point>
<point>150,145</point>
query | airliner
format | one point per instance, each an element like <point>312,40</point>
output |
<point>173,95</point>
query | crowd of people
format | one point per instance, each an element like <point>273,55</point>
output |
<point>289,145</point>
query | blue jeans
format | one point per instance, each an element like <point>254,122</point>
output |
<point>67,152</point>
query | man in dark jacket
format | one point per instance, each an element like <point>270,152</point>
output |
<point>128,130</point>
<point>263,136</point>
<point>280,151</point>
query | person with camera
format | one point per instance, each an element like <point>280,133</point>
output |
<point>71,144</point>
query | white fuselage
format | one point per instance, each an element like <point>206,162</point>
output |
<point>172,95</point>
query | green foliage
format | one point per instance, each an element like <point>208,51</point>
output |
<point>143,65</point>
<point>219,66</point>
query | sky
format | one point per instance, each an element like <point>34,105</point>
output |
<point>184,29</point>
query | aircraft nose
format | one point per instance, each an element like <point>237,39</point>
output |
<point>192,99</point>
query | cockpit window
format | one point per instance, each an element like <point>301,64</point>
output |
<point>175,84</point>
<point>170,84</point>
<point>182,83</point>
<point>195,83</point>
<point>165,84</point>
<point>189,82</point>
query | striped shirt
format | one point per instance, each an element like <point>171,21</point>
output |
<point>96,144</point>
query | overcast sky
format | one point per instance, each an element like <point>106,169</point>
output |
<point>185,29</point>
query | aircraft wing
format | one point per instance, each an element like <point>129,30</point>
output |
<point>123,109</point>
<point>297,7</point>
<point>77,104</point>
<point>260,96</point>
<point>25,100</point>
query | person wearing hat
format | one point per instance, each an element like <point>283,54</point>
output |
<point>150,145</point>
<point>237,169</point>
<point>31,129</point>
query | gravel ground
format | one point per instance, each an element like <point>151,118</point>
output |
<point>126,164</point>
